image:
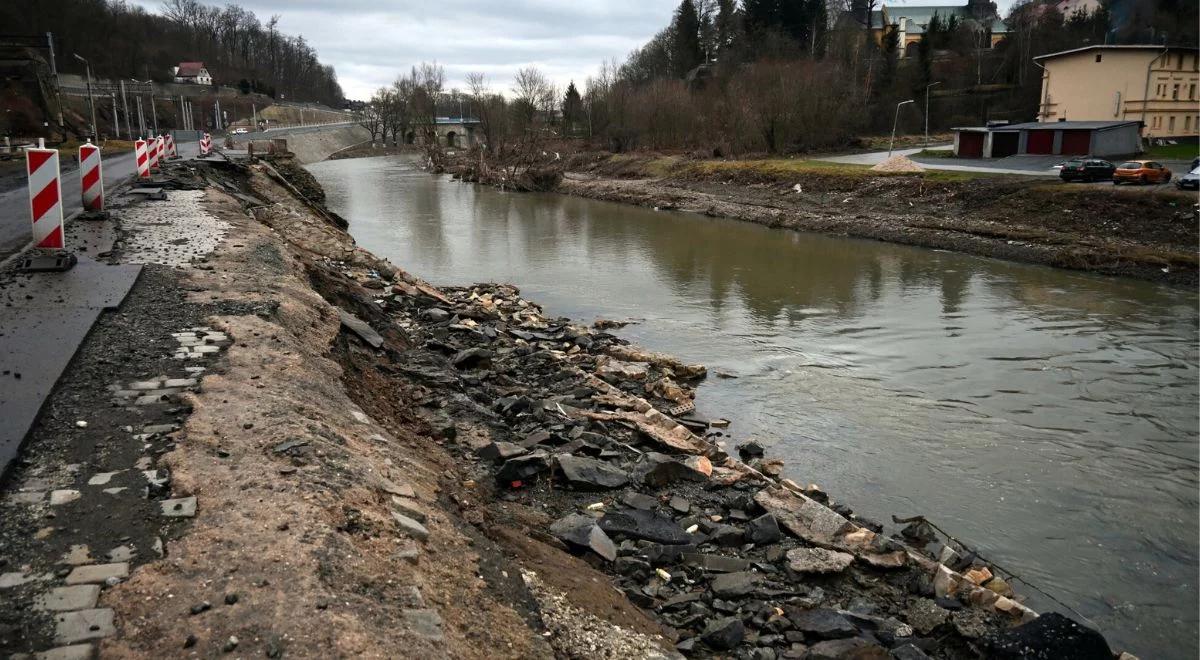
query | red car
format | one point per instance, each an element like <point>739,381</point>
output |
<point>1141,171</point>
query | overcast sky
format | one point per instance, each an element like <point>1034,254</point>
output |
<point>370,41</point>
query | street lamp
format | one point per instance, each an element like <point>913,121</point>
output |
<point>896,120</point>
<point>91,103</point>
<point>927,111</point>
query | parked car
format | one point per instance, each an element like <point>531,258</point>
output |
<point>1086,169</point>
<point>240,131</point>
<point>1195,164</point>
<point>1141,171</point>
<point>1190,181</point>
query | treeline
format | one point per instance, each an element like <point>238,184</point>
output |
<point>122,40</point>
<point>730,77</point>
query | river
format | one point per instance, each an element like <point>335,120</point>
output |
<point>1047,416</point>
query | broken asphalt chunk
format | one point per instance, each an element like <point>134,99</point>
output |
<point>582,531</point>
<point>647,525</point>
<point>591,474</point>
<point>660,469</point>
<point>360,328</point>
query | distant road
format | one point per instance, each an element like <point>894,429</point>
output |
<point>14,200</point>
<point>293,130</point>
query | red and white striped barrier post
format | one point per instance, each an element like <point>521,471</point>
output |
<point>161,146</point>
<point>171,146</point>
<point>152,153</point>
<point>142,156</point>
<point>45,198</point>
<point>205,144</point>
<point>91,177</point>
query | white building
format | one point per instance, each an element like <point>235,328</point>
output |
<point>192,73</point>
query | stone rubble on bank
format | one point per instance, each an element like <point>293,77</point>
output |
<point>733,559</point>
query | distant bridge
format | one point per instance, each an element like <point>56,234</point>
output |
<point>452,132</point>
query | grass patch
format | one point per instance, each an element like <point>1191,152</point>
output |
<point>1173,151</point>
<point>790,169</point>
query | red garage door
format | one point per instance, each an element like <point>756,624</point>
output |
<point>1040,142</point>
<point>970,145</point>
<point>1077,143</point>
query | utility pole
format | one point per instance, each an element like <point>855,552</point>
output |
<point>153,110</point>
<point>217,115</point>
<point>927,111</point>
<point>895,121</point>
<point>54,71</point>
<point>125,102</point>
<point>116,117</point>
<point>137,100</point>
<point>91,102</point>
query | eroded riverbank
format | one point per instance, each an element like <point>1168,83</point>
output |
<point>362,462</point>
<point>916,381</point>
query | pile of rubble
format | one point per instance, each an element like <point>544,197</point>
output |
<point>729,556</point>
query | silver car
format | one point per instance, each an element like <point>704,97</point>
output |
<point>1189,181</point>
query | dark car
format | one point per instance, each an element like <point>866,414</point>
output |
<point>1086,169</point>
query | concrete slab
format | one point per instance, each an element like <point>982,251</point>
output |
<point>184,507</point>
<point>73,627</point>
<point>97,573</point>
<point>72,652</point>
<point>66,599</point>
<point>42,324</point>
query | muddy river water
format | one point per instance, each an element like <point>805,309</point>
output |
<point>1047,416</point>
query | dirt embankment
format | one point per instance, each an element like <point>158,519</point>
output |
<point>316,146</point>
<point>1131,232</point>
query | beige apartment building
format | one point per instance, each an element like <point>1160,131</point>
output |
<point>1158,86</point>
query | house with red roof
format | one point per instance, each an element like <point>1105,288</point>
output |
<point>192,73</point>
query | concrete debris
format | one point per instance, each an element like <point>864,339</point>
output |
<point>818,560</point>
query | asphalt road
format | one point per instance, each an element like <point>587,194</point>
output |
<point>283,132</point>
<point>14,201</point>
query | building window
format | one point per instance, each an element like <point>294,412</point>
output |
<point>1192,92</point>
<point>1098,57</point>
<point>1187,124</point>
<point>1175,92</point>
<point>1171,124</point>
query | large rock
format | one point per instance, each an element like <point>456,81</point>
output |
<point>724,634</point>
<point>523,468</point>
<point>924,615</point>
<point>732,585</point>
<point>822,623</point>
<point>590,473</point>
<point>638,524</point>
<point>582,531</point>
<point>818,560</point>
<point>763,530</point>
<point>499,452</point>
<point>1051,635</point>
<point>472,358</point>
<point>660,469</point>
